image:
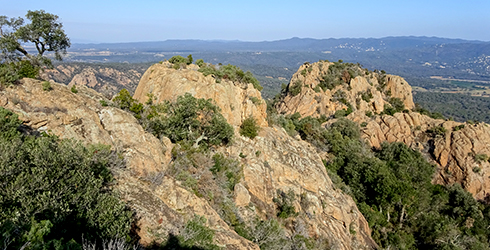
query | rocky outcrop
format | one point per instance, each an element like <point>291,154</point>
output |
<point>237,101</point>
<point>273,162</point>
<point>80,116</point>
<point>364,92</point>
<point>105,79</point>
<point>460,150</point>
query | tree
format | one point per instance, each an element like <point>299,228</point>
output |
<point>43,30</point>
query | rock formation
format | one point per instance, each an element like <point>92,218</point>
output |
<point>104,79</point>
<point>459,150</point>
<point>364,92</point>
<point>237,101</point>
<point>271,162</point>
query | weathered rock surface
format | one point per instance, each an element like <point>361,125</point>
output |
<point>314,101</point>
<point>453,151</point>
<point>105,79</point>
<point>161,210</point>
<point>237,102</point>
<point>275,161</point>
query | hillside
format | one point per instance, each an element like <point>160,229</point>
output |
<point>338,161</point>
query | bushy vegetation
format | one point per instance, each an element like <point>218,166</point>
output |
<point>10,73</point>
<point>395,105</point>
<point>229,72</point>
<point>393,190</point>
<point>192,121</point>
<point>340,73</point>
<point>188,121</point>
<point>54,192</point>
<point>180,62</point>
<point>249,128</point>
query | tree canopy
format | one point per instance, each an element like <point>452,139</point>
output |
<point>42,29</point>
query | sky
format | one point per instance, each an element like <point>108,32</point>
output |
<point>109,21</point>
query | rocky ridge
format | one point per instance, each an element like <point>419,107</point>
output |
<point>237,101</point>
<point>274,161</point>
<point>104,79</point>
<point>459,150</point>
<point>364,92</point>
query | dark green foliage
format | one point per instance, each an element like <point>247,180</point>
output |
<point>10,73</point>
<point>54,191</point>
<point>338,74</point>
<point>426,112</point>
<point>437,131</point>
<point>393,190</point>
<point>295,88</point>
<point>180,62</point>
<point>103,103</point>
<point>74,89</point>
<point>193,121</point>
<point>284,202</point>
<point>396,105</point>
<point>459,106</point>
<point>230,72</point>
<point>366,95</point>
<point>227,170</point>
<point>125,101</point>
<point>249,128</point>
<point>481,158</point>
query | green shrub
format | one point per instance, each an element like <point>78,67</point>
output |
<point>481,158</point>
<point>192,121</point>
<point>74,89</point>
<point>51,185</point>
<point>197,235</point>
<point>232,73</point>
<point>249,128</point>
<point>255,100</point>
<point>228,172</point>
<point>103,103</point>
<point>437,131</point>
<point>295,88</point>
<point>47,86</point>
<point>284,202</point>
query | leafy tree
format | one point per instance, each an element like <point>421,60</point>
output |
<point>43,30</point>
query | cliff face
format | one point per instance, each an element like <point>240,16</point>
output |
<point>237,101</point>
<point>457,149</point>
<point>272,163</point>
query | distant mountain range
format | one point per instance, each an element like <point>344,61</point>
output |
<point>291,45</point>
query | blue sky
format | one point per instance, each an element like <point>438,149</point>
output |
<point>253,20</point>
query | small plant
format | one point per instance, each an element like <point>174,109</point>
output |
<point>369,114</point>
<point>242,155</point>
<point>476,169</point>
<point>480,158</point>
<point>249,128</point>
<point>459,127</point>
<point>255,100</point>
<point>47,86</point>
<point>437,131</point>
<point>363,124</point>
<point>284,202</point>
<point>257,153</point>
<point>74,89</point>
<point>295,88</point>
<point>103,103</point>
